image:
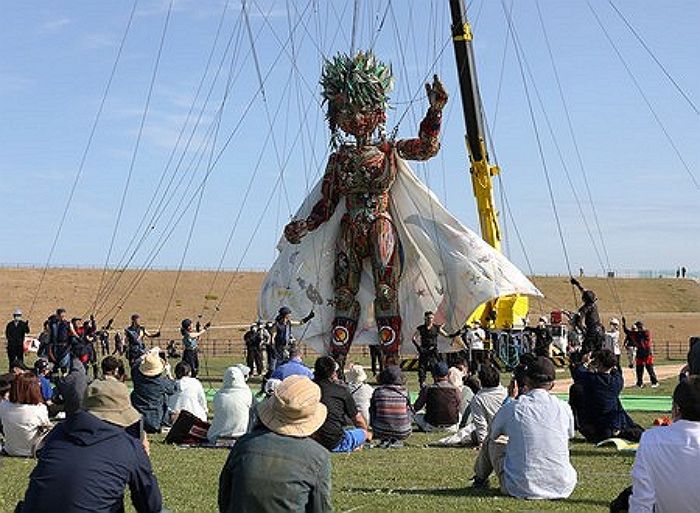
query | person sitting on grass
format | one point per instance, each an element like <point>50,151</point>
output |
<point>151,392</point>
<point>665,478</point>
<point>292,366</point>
<point>189,393</point>
<point>456,377</point>
<point>87,461</point>
<point>340,405</point>
<point>232,408</point>
<point>278,467</point>
<point>390,409</point>
<point>528,442</point>
<point>360,391</point>
<point>441,401</point>
<point>42,370</point>
<point>597,405</point>
<point>483,408</point>
<point>24,418</point>
<point>70,389</point>
<point>113,368</point>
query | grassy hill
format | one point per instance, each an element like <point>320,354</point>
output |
<point>670,307</point>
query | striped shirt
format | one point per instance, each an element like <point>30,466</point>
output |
<point>390,413</point>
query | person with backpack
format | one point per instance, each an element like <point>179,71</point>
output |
<point>61,335</point>
<point>135,343</point>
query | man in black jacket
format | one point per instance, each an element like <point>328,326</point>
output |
<point>15,331</point>
<point>88,460</point>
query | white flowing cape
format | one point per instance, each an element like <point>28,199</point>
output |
<point>447,268</point>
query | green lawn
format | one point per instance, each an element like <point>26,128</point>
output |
<point>415,478</point>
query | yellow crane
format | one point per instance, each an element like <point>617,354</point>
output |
<point>506,312</point>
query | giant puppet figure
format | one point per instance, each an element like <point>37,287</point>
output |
<point>361,174</point>
<point>371,248</point>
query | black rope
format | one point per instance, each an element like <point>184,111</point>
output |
<point>83,158</point>
<point>132,163</point>
<point>129,254</point>
<point>639,38</point>
<point>539,143</point>
<point>638,86</point>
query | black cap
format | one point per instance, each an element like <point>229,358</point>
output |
<point>42,364</point>
<point>541,370</point>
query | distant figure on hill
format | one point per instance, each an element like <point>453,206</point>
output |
<point>678,272</point>
<point>683,272</point>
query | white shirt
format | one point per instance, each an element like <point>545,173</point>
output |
<point>21,423</point>
<point>362,394</point>
<point>612,341</point>
<point>189,395</point>
<point>536,464</point>
<point>476,338</point>
<point>665,477</point>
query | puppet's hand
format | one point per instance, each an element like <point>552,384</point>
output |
<point>437,96</point>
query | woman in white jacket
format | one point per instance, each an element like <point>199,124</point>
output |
<point>24,418</point>
<point>189,393</point>
<point>232,407</point>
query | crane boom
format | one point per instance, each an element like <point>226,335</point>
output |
<point>508,311</point>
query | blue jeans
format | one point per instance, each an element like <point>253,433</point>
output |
<point>352,439</point>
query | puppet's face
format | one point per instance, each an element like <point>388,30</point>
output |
<point>360,123</point>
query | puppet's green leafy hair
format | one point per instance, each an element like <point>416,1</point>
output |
<point>360,83</point>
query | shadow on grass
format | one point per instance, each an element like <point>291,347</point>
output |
<point>462,492</point>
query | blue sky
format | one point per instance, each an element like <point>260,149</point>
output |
<point>57,56</point>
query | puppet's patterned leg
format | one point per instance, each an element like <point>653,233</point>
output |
<point>386,265</point>
<point>348,269</point>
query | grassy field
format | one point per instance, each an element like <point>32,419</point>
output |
<point>416,478</point>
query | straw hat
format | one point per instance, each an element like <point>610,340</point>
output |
<point>152,365</point>
<point>108,399</point>
<point>356,374</point>
<point>294,409</point>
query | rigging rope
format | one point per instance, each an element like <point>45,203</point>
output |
<point>83,158</point>
<point>646,47</point>
<point>142,123</point>
<point>638,86</point>
<point>539,142</point>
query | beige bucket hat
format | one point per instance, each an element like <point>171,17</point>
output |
<point>108,399</point>
<point>294,408</point>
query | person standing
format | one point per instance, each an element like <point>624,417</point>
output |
<point>589,320</point>
<point>135,343</point>
<point>425,339</point>
<point>612,339</point>
<point>15,331</point>
<point>190,342</point>
<point>254,347</point>
<point>283,334</point>
<point>476,338</point>
<point>643,343</point>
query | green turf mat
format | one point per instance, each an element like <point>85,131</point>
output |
<point>630,402</point>
<point>661,403</point>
